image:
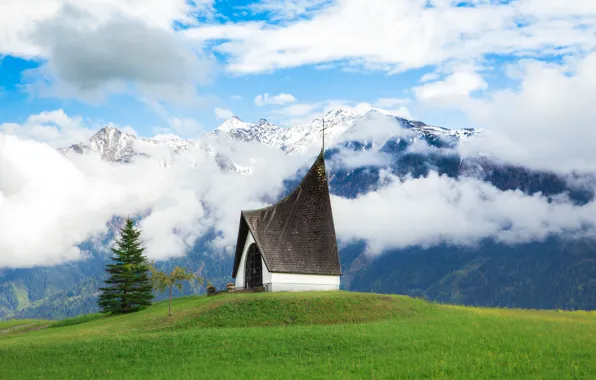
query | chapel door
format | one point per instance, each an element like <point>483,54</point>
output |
<point>253,276</point>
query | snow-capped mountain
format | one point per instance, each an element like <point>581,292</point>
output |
<point>114,145</point>
<point>339,124</point>
<point>262,132</point>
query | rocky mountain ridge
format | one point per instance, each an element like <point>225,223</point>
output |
<point>114,145</point>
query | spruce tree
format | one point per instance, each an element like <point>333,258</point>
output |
<point>129,287</point>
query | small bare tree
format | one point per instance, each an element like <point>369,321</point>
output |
<point>163,281</point>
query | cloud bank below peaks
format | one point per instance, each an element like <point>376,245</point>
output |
<point>442,210</point>
<point>49,203</point>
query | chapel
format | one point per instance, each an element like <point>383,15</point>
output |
<point>291,245</point>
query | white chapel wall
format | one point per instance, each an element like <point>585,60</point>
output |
<point>288,282</point>
<point>266,275</point>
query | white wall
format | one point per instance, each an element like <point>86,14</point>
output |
<point>266,274</point>
<point>287,282</point>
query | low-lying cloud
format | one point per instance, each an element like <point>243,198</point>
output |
<point>50,203</point>
<point>438,209</point>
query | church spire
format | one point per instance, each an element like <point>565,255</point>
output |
<point>297,234</point>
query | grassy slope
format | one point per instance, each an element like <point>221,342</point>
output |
<point>308,335</point>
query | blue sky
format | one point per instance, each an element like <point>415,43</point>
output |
<point>144,64</point>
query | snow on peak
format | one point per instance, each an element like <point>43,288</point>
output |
<point>339,112</point>
<point>112,144</point>
<point>232,123</point>
<point>340,125</point>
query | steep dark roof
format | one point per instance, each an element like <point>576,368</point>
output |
<point>295,235</point>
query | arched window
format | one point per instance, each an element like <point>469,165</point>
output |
<point>253,275</point>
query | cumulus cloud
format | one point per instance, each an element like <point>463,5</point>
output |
<point>20,18</point>
<point>88,61</point>
<point>439,209</point>
<point>546,124</point>
<point>222,113</point>
<point>427,33</point>
<point>96,48</point>
<point>55,128</point>
<point>460,84</point>
<point>281,99</point>
<point>375,127</point>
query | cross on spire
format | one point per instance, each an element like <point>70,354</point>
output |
<point>323,131</point>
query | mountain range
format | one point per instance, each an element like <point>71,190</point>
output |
<point>557,272</point>
<point>116,146</point>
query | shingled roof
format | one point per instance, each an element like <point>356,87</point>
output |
<point>295,235</point>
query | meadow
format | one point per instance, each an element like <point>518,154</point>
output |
<point>323,335</point>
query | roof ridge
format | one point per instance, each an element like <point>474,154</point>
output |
<point>321,156</point>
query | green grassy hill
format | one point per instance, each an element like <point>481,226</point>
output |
<point>304,335</point>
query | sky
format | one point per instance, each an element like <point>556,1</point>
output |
<point>145,64</point>
<point>523,71</point>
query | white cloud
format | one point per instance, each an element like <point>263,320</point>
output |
<point>375,127</point>
<point>295,110</point>
<point>55,128</point>
<point>287,9</point>
<point>438,209</point>
<point>459,84</point>
<point>50,203</point>
<point>281,99</point>
<point>90,49</point>
<point>186,127</point>
<point>222,113</point>
<point>394,36</point>
<point>546,124</point>
<point>19,18</point>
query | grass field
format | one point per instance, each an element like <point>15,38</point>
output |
<point>336,335</point>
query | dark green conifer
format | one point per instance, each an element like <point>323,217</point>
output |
<point>129,286</point>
